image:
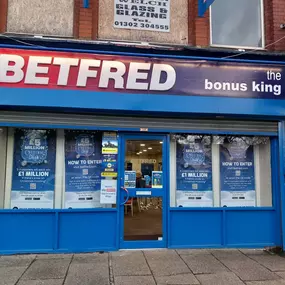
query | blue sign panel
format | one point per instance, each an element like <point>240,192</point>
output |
<point>83,161</point>
<point>237,178</point>
<point>34,160</point>
<point>194,174</point>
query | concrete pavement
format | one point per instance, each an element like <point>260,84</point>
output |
<point>149,267</point>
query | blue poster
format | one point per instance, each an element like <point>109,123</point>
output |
<point>194,173</point>
<point>130,179</point>
<point>237,179</point>
<point>83,161</point>
<point>34,160</point>
<point>109,143</point>
<point>157,179</point>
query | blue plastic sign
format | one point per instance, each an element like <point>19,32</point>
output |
<point>237,177</point>
<point>194,174</point>
<point>83,162</point>
<point>33,168</point>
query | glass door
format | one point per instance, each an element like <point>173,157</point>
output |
<point>142,191</point>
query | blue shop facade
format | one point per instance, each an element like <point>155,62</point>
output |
<point>80,124</point>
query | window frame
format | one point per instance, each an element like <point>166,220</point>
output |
<point>241,47</point>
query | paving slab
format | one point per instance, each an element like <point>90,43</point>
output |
<point>94,272</point>
<point>246,268</point>
<point>129,263</point>
<point>253,251</point>
<point>16,260</point>
<point>10,275</point>
<point>271,282</point>
<point>203,264</point>
<point>222,278</point>
<point>90,258</point>
<point>281,274</point>
<point>41,282</point>
<point>181,279</point>
<point>131,280</point>
<point>165,262</point>
<point>47,269</point>
<point>193,251</point>
<point>272,262</point>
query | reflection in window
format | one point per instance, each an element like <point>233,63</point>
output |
<point>237,23</point>
<point>224,171</point>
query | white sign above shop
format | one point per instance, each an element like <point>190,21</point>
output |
<point>151,15</point>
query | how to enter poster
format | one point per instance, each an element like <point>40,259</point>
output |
<point>33,177</point>
<point>194,172</point>
<point>237,174</point>
<point>83,161</point>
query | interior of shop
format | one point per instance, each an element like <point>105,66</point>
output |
<point>143,215</point>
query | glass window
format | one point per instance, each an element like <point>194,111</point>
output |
<point>237,23</point>
<point>220,171</point>
<point>90,169</point>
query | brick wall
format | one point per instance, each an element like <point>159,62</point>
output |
<point>278,11</point>
<point>3,15</point>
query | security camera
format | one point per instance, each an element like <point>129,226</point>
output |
<point>282,26</point>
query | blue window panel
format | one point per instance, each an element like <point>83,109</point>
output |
<point>26,232</point>
<point>87,231</point>
<point>252,228</point>
<point>195,229</point>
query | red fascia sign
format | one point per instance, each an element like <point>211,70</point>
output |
<point>62,70</point>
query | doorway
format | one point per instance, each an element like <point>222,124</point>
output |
<point>143,188</point>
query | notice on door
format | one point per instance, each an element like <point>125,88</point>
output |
<point>151,15</point>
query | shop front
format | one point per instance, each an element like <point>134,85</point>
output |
<point>101,152</point>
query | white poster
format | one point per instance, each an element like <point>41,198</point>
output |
<point>108,191</point>
<point>142,15</point>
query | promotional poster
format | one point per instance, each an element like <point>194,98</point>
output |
<point>83,162</point>
<point>194,173</point>
<point>237,174</point>
<point>130,179</point>
<point>157,179</point>
<point>33,177</point>
<point>109,143</point>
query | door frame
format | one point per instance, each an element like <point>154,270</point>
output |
<point>123,137</point>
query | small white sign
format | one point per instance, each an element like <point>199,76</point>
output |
<point>142,15</point>
<point>108,191</point>
<point>143,193</point>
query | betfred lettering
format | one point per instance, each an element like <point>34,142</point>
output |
<point>132,76</point>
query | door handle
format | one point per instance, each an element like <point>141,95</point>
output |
<point>128,196</point>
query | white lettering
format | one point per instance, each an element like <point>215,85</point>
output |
<point>16,69</point>
<point>107,74</point>
<point>64,69</point>
<point>134,75</point>
<point>33,69</point>
<point>157,70</point>
<point>85,72</point>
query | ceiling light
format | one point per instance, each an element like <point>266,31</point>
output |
<point>149,147</point>
<point>142,144</point>
<point>160,142</point>
<point>138,153</point>
<point>145,150</point>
